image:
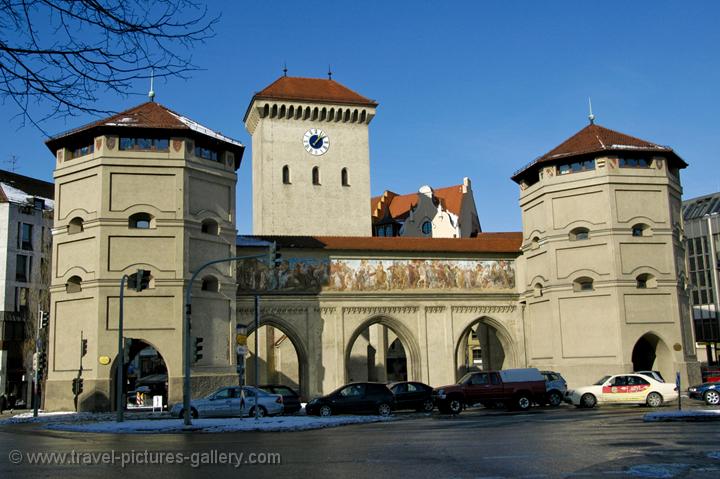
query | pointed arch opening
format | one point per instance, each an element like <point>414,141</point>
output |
<point>484,345</point>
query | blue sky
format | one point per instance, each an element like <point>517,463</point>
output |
<point>473,89</point>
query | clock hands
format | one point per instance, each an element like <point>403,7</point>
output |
<point>318,141</point>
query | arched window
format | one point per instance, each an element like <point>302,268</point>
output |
<point>75,226</point>
<point>579,234</point>
<point>344,177</point>
<point>583,284</point>
<point>141,221</point>
<point>291,111</point>
<point>210,283</point>
<point>355,116</point>
<point>210,227</point>
<point>426,228</point>
<point>266,110</point>
<point>316,175</point>
<point>641,229</point>
<point>274,111</point>
<point>538,290</point>
<point>535,243</point>
<point>363,116</point>
<point>286,175</point>
<point>645,280</point>
<point>73,285</point>
<point>331,114</point>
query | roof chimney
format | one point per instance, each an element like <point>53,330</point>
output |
<point>466,185</point>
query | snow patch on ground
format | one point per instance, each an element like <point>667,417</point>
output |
<point>693,415</point>
<point>658,470</point>
<point>164,426</point>
<point>71,416</point>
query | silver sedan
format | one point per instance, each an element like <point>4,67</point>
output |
<point>227,401</point>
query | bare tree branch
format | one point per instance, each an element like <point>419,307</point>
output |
<point>57,55</point>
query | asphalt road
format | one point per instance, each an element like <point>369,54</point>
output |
<point>563,442</point>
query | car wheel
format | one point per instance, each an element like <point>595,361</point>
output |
<point>588,400</point>
<point>261,412</point>
<point>522,402</point>
<point>712,397</point>
<point>384,409</point>
<point>325,411</point>
<point>427,406</point>
<point>654,400</point>
<point>454,406</point>
<point>554,398</point>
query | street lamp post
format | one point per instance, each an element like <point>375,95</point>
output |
<point>187,327</point>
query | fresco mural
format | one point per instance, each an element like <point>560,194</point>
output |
<point>388,275</point>
<point>309,276</point>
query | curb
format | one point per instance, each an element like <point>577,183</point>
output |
<point>695,416</point>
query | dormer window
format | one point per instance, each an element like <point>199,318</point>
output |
<point>427,228</point>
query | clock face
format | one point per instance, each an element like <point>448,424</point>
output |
<point>316,141</point>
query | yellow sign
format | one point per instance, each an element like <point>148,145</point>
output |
<point>241,339</point>
<point>104,360</point>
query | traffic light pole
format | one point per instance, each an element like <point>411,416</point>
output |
<point>36,373</point>
<point>187,327</point>
<point>119,387</point>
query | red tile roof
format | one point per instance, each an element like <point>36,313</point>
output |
<point>312,90</point>
<point>149,115</point>
<point>505,243</point>
<point>597,139</point>
<point>399,205</point>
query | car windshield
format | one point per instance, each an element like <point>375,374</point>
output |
<point>465,379</point>
<point>602,381</point>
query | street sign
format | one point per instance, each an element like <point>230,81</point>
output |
<point>241,350</point>
<point>241,339</point>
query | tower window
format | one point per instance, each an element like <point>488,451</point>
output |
<point>209,227</point>
<point>141,221</point>
<point>535,243</point>
<point>645,281</point>
<point>73,285</point>
<point>427,228</point>
<point>210,283</point>
<point>583,284</point>
<point>316,175</point>
<point>538,290</point>
<point>634,163</point>
<point>286,175</point>
<point>75,226</point>
<point>579,234</point>
<point>640,230</point>
<point>344,177</point>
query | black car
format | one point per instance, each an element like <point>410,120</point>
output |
<point>412,395</point>
<point>291,399</point>
<point>708,392</point>
<point>374,398</point>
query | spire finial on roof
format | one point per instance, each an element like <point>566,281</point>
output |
<point>591,117</point>
<point>151,93</point>
<point>284,69</point>
<point>329,72</point>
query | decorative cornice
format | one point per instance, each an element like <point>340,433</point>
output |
<point>434,309</point>
<point>275,310</point>
<point>325,309</point>
<point>380,309</point>
<point>484,309</point>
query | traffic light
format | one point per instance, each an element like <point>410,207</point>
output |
<point>83,347</point>
<point>44,319</point>
<point>274,257</point>
<point>41,361</point>
<point>140,280</point>
<point>77,386</point>
<point>197,350</point>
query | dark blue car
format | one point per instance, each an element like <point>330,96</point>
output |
<point>708,392</point>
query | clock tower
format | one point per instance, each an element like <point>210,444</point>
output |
<point>310,158</point>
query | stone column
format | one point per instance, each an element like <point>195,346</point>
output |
<point>379,342</point>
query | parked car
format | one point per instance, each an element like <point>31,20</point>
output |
<point>653,374</point>
<point>226,402</point>
<point>412,395</point>
<point>708,392</point>
<point>623,389</point>
<point>555,387</point>
<point>291,399</point>
<point>516,388</point>
<point>354,398</point>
